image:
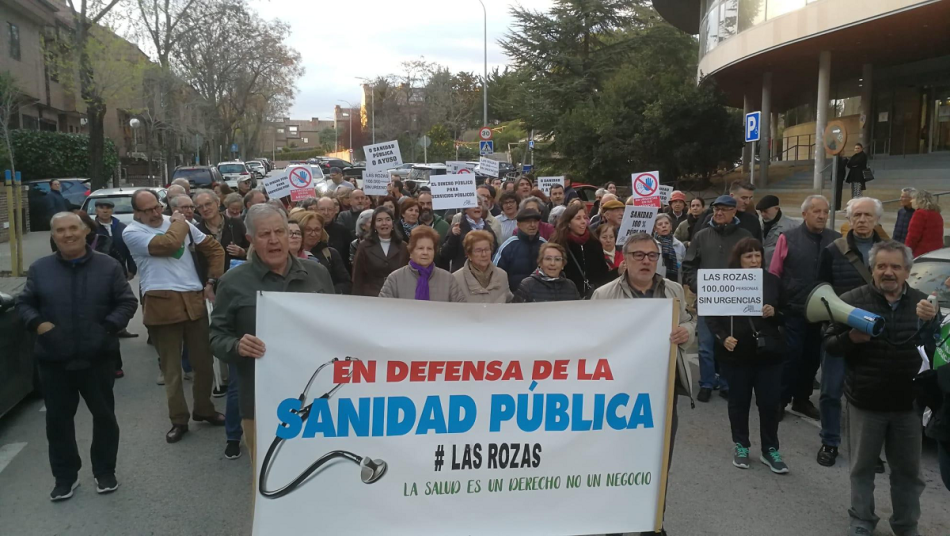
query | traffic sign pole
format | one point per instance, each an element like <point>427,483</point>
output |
<point>752,166</point>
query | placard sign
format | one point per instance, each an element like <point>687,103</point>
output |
<point>376,182</point>
<point>636,220</point>
<point>646,183</point>
<point>301,183</point>
<point>459,166</point>
<point>488,167</point>
<point>277,186</point>
<point>453,191</point>
<point>665,193</point>
<point>545,183</point>
<point>730,292</point>
<point>384,155</point>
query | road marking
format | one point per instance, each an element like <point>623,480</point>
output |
<point>8,452</point>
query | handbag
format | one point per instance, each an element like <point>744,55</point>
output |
<point>867,175</point>
<point>765,346</point>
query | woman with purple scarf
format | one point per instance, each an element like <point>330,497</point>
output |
<point>421,279</point>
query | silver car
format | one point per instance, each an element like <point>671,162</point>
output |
<point>121,198</point>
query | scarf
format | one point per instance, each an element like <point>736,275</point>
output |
<point>408,227</point>
<point>543,276</point>
<point>483,278</point>
<point>669,256</point>
<point>579,240</point>
<point>422,284</point>
<point>769,224</point>
<point>475,226</point>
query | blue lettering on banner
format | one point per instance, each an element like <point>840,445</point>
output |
<point>397,415</point>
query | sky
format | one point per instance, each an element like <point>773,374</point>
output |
<point>342,41</point>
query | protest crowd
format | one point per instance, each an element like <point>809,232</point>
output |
<point>202,260</point>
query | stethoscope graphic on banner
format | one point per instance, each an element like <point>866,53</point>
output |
<point>370,470</point>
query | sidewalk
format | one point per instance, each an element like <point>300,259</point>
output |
<point>35,246</point>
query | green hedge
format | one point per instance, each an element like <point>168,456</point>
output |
<point>45,155</point>
<point>299,155</point>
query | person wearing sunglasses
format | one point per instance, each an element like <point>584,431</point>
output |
<point>547,283</point>
<point>639,280</point>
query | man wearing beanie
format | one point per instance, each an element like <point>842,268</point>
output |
<point>774,223</point>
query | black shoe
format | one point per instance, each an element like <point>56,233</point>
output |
<point>124,334</point>
<point>724,393</point>
<point>106,484</point>
<point>233,450</point>
<point>781,413</point>
<point>827,455</point>
<point>176,433</point>
<point>704,394</point>
<point>879,467</point>
<point>219,392</point>
<point>63,491</point>
<point>216,419</point>
<point>806,408</point>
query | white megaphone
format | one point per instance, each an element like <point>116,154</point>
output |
<point>824,305</point>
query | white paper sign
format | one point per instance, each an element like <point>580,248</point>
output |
<point>277,186</point>
<point>384,155</point>
<point>376,182</point>
<point>459,166</point>
<point>301,183</point>
<point>434,438</point>
<point>453,191</point>
<point>665,193</point>
<point>488,167</point>
<point>545,183</point>
<point>645,184</point>
<point>636,220</point>
<point>730,292</point>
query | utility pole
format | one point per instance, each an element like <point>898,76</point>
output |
<point>485,77</point>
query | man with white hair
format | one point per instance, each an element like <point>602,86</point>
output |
<point>844,265</point>
<point>795,262</point>
<point>173,191</point>
<point>183,204</point>
<point>904,214</point>
<point>77,301</point>
<point>184,184</point>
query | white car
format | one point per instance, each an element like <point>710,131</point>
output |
<point>121,198</point>
<point>233,172</point>
<point>401,172</point>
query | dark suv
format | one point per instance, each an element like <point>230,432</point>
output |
<point>327,163</point>
<point>198,176</point>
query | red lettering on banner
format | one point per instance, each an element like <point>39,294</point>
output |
<point>396,371</point>
<point>341,371</point>
<point>601,370</point>
<point>560,369</point>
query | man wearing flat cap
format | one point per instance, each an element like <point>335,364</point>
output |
<point>710,249</point>
<point>110,226</point>
<point>774,223</point>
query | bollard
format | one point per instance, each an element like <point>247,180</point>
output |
<point>11,217</point>
<point>18,196</point>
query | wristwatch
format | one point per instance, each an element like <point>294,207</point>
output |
<point>212,281</point>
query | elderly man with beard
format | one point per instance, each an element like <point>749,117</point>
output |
<point>358,202</point>
<point>425,208</point>
<point>879,384</point>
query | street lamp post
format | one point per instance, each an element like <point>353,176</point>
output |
<point>485,77</point>
<point>350,115</point>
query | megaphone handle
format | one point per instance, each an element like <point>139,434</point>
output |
<point>828,308</point>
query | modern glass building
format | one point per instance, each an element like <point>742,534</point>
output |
<point>880,67</point>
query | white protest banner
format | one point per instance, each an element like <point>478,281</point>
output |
<point>487,166</point>
<point>645,184</point>
<point>665,193</point>
<point>382,156</point>
<point>636,220</point>
<point>301,183</point>
<point>453,191</point>
<point>730,292</point>
<point>277,186</point>
<point>376,182</point>
<point>459,166</point>
<point>437,439</point>
<point>545,183</point>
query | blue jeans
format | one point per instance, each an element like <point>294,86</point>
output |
<point>232,409</point>
<point>829,403</point>
<point>707,361</point>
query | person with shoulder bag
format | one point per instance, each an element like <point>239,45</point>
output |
<point>750,352</point>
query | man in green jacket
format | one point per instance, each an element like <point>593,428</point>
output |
<point>438,223</point>
<point>270,268</point>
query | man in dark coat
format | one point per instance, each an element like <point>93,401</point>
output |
<point>518,255</point>
<point>76,301</point>
<point>904,214</point>
<point>743,193</point>
<point>879,384</point>
<point>55,202</point>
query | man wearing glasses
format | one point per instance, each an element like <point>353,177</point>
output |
<point>173,302</point>
<point>639,281</point>
<point>710,249</point>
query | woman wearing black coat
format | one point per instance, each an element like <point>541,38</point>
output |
<point>585,267</point>
<point>856,166</point>
<point>316,241</point>
<point>547,283</point>
<point>452,253</point>
<point>749,351</point>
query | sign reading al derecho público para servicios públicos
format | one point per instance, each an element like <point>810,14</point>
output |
<point>455,190</point>
<point>432,437</point>
<point>729,292</point>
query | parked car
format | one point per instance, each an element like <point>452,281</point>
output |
<point>327,163</point>
<point>198,176</point>
<point>401,172</point>
<point>587,193</point>
<point>234,171</point>
<point>121,198</point>
<point>258,166</point>
<point>929,273</point>
<point>18,378</point>
<point>74,190</point>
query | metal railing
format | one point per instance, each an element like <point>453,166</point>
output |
<point>810,147</point>
<point>936,195</point>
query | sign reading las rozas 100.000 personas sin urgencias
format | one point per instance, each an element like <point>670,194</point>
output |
<point>383,155</point>
<point>376,182</point>
<point>729,292</point>
<point>437,436</point>
<point>456,190</point>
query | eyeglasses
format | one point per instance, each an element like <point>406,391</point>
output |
<point>553,259</point>
<point>156,208</point>
<point>314,231</point>
<point>640,255</point>
<point>481,251</point>
<point>295,234</point>
<point>723,209</point>
<point>186,207</point>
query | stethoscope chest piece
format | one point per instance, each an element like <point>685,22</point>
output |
<point>371,470</point>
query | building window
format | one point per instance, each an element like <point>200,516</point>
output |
<point>293,129</point>
<point>306,140</point>
<point>30,122</point>
<point>280,131</point>
<point>14,32</point>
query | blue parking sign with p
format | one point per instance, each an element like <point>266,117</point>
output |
<point>752,122</point>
